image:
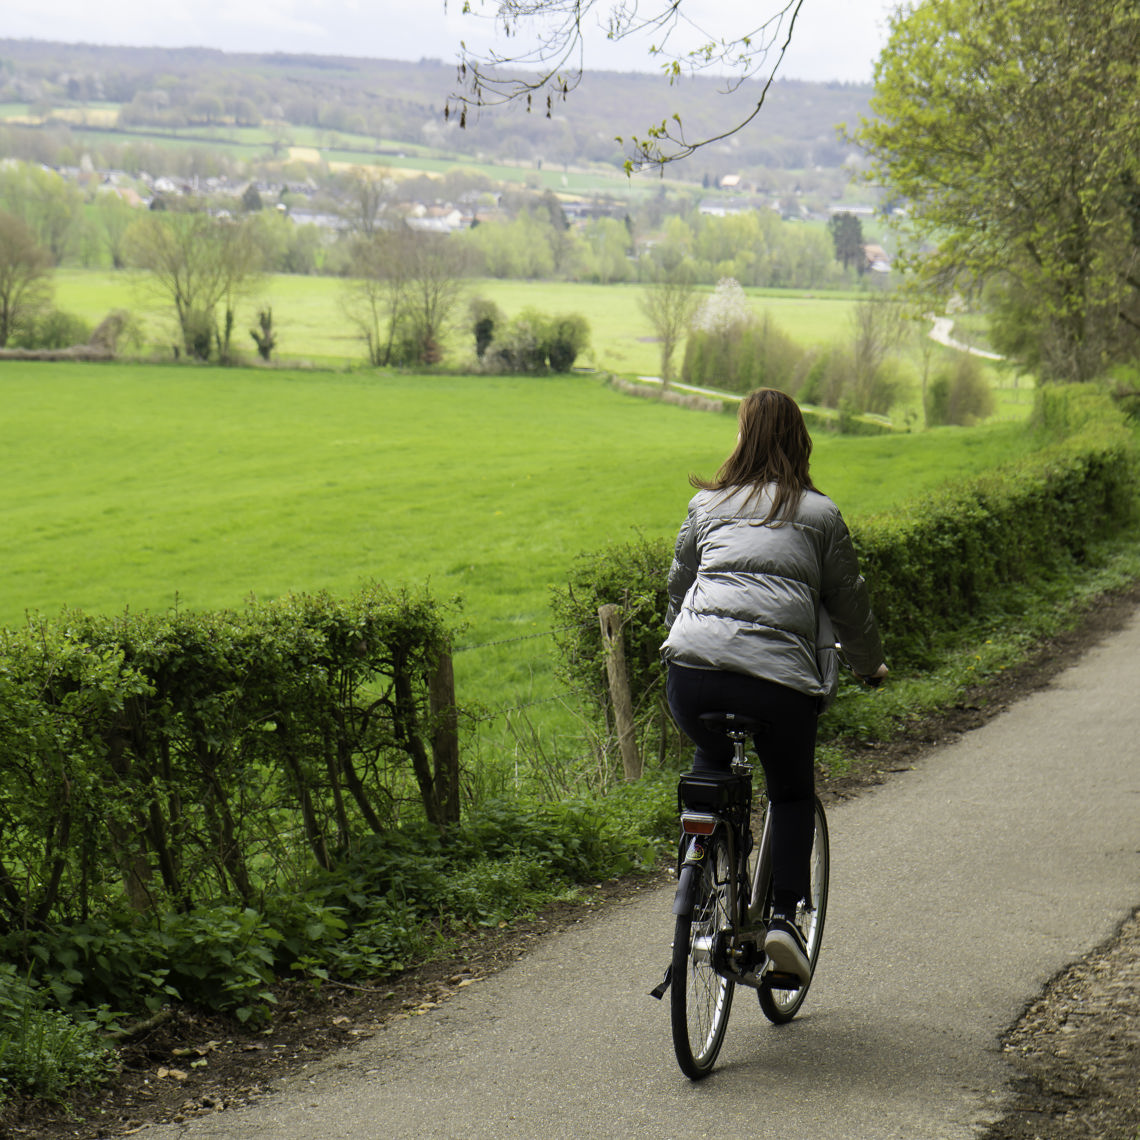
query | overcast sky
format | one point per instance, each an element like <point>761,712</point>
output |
<point>834,39</point>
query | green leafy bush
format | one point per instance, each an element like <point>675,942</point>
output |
<point>532,342</point>
<point>44,1053</point>
<point>222,958</point>
<point>485,317</point>
<point>959,394</point>
<point>54,329</point>
<point>567,337</point>
<point>381,909</point>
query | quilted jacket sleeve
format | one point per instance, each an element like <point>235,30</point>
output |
<point>683,571</point>
<point>844,592</point>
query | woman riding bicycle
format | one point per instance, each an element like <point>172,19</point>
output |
<point>759,554</point>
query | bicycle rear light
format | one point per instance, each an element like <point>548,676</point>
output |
<point>693,824</point>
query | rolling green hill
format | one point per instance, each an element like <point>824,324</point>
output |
<point>354,108</point>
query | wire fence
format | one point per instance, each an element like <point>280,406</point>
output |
<point>548,754</point>
<point>512,640</point>
<point>504,709</point>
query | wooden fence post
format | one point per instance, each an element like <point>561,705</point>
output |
<point>445,738</point>
<point>609,617</point>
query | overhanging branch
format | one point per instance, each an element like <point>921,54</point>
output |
<point>552,66</point>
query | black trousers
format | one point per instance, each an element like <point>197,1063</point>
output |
<point>786,748</point>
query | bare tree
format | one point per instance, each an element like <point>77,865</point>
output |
<point>377,294</point>
<point>435,281</point>
<point>280,137</point>
<point>364,200</point>
<point>25,283</point>
<point>670,303</point>
<point>553,63</point>
<point>879,323</point>
<point>197,263</point>
<point>405,288</point>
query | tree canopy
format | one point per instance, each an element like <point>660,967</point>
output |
<point>1010,128</point>
<point>847,236</point>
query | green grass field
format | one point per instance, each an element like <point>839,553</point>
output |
<point>139,485</point>
<point>313,328</point>
<point>309,314</point>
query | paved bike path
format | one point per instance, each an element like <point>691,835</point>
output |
<point>958,889</point>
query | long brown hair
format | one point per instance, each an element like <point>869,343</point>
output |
<point>774,447</point>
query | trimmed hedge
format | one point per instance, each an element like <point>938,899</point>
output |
<point>947,557</point>
<point>158,762</point>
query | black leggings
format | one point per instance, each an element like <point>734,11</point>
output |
<point>786,748</point>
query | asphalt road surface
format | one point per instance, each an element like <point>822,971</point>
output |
<point>958,890</point>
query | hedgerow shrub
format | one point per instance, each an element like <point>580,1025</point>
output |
<point>54,329</point>
<point>744,355</point>
<point>946,558</point>
<point>959,394</point>
<point>158,762</point>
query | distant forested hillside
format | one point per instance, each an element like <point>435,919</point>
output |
<point>389,100</point>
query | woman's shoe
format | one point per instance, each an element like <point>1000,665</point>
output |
<point>784,945</point>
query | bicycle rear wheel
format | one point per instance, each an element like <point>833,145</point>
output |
<point>781,1006</point>
<point>700,998</point>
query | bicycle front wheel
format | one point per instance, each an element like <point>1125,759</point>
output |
<point>700,997</point>
<point>781,1006</point>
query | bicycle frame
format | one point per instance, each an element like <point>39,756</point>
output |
<point>733,957</point>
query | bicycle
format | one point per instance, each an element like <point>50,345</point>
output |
<point>723,906</point>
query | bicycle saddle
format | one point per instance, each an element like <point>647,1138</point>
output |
<point>733,722</point>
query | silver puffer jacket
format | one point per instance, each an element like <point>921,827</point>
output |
<point>746,597</point>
